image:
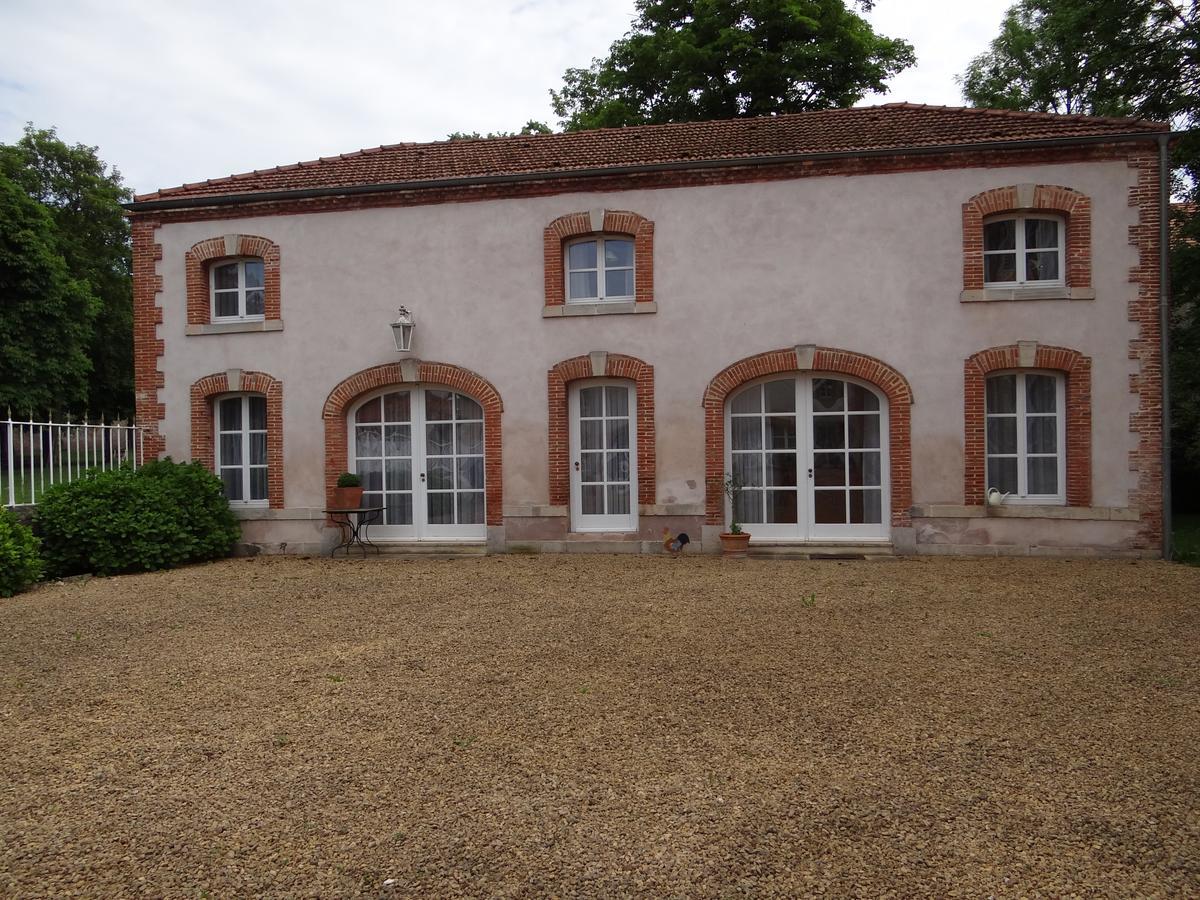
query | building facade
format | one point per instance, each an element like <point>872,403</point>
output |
<point>871,318</point>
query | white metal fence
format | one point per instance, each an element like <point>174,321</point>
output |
<point>37,455</point>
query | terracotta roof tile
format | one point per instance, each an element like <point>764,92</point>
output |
<point>893,126</point>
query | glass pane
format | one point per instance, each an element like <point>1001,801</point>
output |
<point>829,469</point>
<point>369,500</point>
<point>781,469</point>
<point>227,304</point>
<point>371,473</point>
<point>470,508</point>
<point>1000,235</point>
<point>470,473</point>
<point>593,499</point>
<point>866,507</point>
<point>781,432</point>
<point>583,286</point>
<point>591,435</point>
<point>441,508</point>
<point>1002,474</point>
<point>829,432</point>
<point>258,449</point>
<point>617,401</point>
<point>748,468</point>
<point>231,450</point>
<point>439,406</point>
<point>591,467</point>
<point>749,507</point>
<point>397,474</point>
<point>470,437</point>
<point>1040,234</point>
<point>1000,267</point>
<point>618,466</point>
<point>618,283</point>
<point>1002,434</point>
<point>864,431</point>
<point>747,433</point>
<point>225,277</point>
<point>397,440</point>
<point>258,413</point>
<point>254,303</point>
<point>864,469</point>
<point>618,252</point>
<point>1041,434</point>
<point>231,414</point>
<point>860,398</point>
<point>368,412</point>
<point>1041,266</point>
<point>780,396</point>
<point>439,439</point>
<point>748,401</point>
<point>591,402</point>
<point>1040,394</point>
<point>781,507</point>
<point>827,395</point>
<point>440,474</point>
<point>582,255</point>
<point>258,484</point>
<point>829,507</point>
<point>367,440</point>
<point>618,499</point>
<point>1043,475</point>
<point>398,511</point>
<point>617,432</point>
<point>1002,394</point>
<point>397,406</point>
<point>467,408</point>
<point>231,479</point>
<point>254,273</point>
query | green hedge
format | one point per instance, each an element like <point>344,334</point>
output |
<point>162,515</point>
<point>20,564</point>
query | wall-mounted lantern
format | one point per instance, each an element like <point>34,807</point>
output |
<point>402,330</point>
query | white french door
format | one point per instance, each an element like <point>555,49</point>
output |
<point>809,451</point>
<point>603,456</point>
<point>419,452</point>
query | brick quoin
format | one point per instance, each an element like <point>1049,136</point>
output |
<point>826,361</point>
<point>577,224</point>
<point>1074,207</point>
<point>558,378</point>
<point>147,346</point>
<point>201,256</point>
<point>442,375</point>
<point>1078,371</point>
<point>206,390</point>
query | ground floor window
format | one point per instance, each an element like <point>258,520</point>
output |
<point>1025,435</point>
<point>241,448</point>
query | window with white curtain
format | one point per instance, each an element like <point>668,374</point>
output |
<point>1023,250</point>
<point>241,448</point>
<point>1025,437</point>
<point>600,269</point>
<point>236,287</point>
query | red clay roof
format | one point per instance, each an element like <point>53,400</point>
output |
<point>893,126</point>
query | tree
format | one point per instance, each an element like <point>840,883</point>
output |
<point>690,60</point>
<point>530,127</point>
<point>83,198</point>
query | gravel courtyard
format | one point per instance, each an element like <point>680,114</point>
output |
<point>523,726</point>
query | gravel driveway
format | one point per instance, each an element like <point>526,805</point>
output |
<point>521,726</point>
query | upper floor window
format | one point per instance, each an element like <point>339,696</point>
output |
<point>599,269</point>
<point>1025,436</point>
<point>237,289</point>
<point>241,445</point>
<point>1023,250</point>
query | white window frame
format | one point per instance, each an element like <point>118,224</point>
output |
<point>1020,250</point>
<point>1022,495</point>
<point>599,269</point>
<point>244,433</point>
<point>241,289</point>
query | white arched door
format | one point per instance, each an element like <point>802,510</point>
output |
<point>809,452</point>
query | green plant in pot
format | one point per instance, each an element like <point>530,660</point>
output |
<point>735,541</point>
<point>349,491</point>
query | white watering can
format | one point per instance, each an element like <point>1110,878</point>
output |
<point>995,497</point>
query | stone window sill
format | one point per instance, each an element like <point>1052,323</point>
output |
<point>987,295</point>
<point>1088,513</point>
<point>235,327</point>
<point>566,310</point>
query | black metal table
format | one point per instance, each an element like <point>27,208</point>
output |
<point>354,523</point>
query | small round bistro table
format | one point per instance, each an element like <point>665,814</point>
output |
<point>354,522</point>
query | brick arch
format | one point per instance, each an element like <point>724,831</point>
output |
<point>1078,371</point>
<point>412,372</point>
<point>824,360</point>
<point>211,386</point>
<point>1073,206</point>
<point>615,221</point>
<point>202,253</point>
<point>613,365</point>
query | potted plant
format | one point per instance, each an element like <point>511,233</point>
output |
<point>734,541</point>
<point>348,493</point>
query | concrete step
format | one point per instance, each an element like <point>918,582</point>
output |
<point>782,550</point>
<point>425,549</point>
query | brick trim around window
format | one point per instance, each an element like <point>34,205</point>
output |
<point>600,365</point>
<point>204,391</point>
<point>203,253</point>
<point>410,373</point>
<point>148,347</point>
<point>806,360</point>
<point>1074,207</point>
<point>612,221</point>
<point>1015,357</point>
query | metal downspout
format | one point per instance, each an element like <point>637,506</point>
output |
<point>1164,287</point>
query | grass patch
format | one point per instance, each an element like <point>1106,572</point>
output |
<point>1187,539</point>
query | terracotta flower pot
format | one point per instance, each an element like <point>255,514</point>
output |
<point>734,545</point>
<point>347,497</point>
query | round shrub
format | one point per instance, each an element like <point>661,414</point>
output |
<point>162,515</point>
<point>20,564</point>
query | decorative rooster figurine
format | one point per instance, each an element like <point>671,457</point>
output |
<point>675,545</point>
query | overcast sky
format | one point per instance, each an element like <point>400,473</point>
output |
<point>177,90</point>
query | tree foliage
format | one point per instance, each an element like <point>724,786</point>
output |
<point>83,198</point>
<point>690,60</point>
<point>530,127</point>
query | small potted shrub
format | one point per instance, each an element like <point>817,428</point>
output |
<point>734,541</point>
<point>348,493</point>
